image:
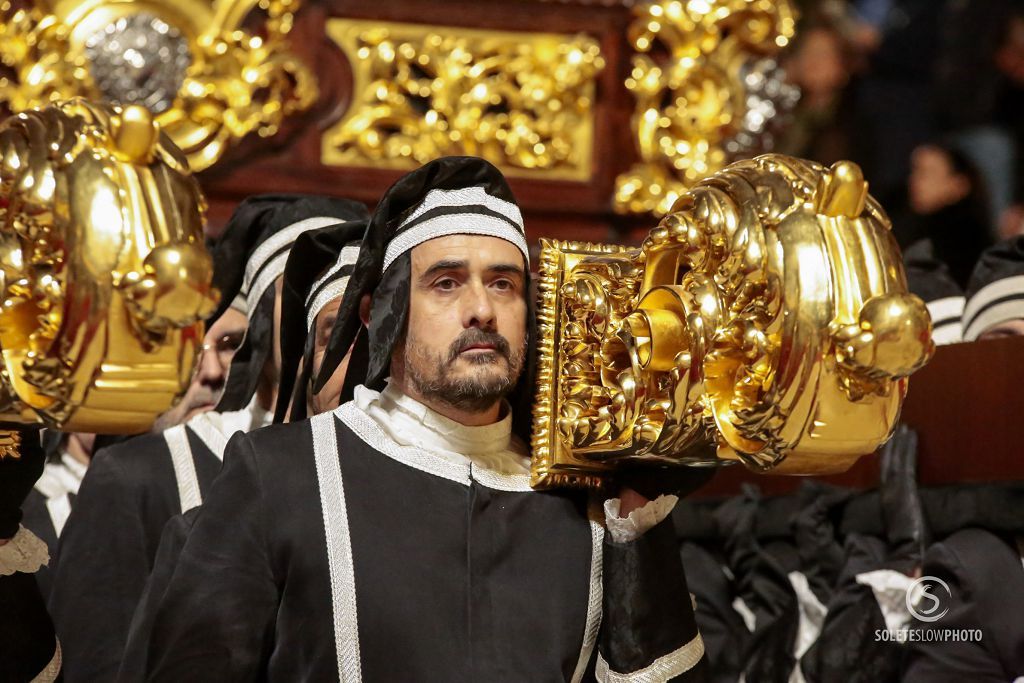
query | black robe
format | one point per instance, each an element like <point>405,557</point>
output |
<point>108,546</point>
<point>46,507</point>
<point>985,575</point>
<point>326,551</point>
<point>37,519</point>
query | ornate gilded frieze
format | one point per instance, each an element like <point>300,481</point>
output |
<point>766,320</point>
<point>524,101</point>
<point>705,90</point>
<point>208,80</point>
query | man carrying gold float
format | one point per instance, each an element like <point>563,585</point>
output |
<point>399,537</point>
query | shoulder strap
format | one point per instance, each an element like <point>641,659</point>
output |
<point>339,547</point>
<point>184,467</point>
<point>209,434</point>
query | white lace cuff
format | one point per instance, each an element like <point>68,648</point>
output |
<point>639,521</point>
<point>890,588</point>
<point>23,553</point>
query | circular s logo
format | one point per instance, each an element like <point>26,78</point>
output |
<point>928,598</point>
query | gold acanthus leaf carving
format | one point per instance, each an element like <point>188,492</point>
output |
<point>523,101</point>
<point>222,82</point>
<point>690,95</point>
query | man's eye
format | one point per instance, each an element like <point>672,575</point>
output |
<point>504,285</point>
<point>446,284</point>
<point>230,342</point>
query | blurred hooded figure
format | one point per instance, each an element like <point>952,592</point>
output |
<point>132,489</point>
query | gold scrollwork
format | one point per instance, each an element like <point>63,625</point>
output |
<point>767,317</point>
<point>104,278</point>
<point>690,96</point>
<point>524,101</point>
<point>209,82</point>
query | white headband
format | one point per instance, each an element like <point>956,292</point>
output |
<point>994,303</point>
<point>268,260</point>
<point>503,220</point>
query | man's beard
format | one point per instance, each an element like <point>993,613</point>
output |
<point>433,377</point>
<point>202,396</point>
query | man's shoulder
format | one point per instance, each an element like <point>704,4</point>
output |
<point>140,458</point>
<point>278,442</point>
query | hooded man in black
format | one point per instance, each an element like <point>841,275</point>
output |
<point>397,537</point>
<point>133,488</point>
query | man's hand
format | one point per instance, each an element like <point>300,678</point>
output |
<point>631,500</point>
<point>641,483</point>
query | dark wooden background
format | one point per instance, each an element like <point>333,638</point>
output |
<point>290,161</point>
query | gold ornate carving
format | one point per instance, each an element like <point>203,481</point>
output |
<point>523,101</point>
<point>103,273</point>
<point>687,79</point>
<point>766,317</point>
<point>10,444</point>
<point>189,61</point>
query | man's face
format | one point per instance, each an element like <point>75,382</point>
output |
<point>327,398</point>
<point>466,336</point>
<point>1007,328</point>
<point>219,346</point>
<point>934,184</point>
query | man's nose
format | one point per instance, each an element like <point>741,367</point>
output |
<point>210,369</point>
<point>479,309</point>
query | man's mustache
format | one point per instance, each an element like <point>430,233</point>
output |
<point>474,337</point>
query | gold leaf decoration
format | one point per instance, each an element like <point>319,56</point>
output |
<point>687,79</point>
<point>524,101</point>
<point>209,82</point>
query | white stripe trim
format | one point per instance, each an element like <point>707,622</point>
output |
<point>347,257</point>
<point>465,196</point>
<point>339,547</point>
<point>280,239</point>
<point>370,433</point>
<point>184,467</point>
<point>273,271</point>
<point>1008,310</point>
<point>594,600</point>
<point>458,224</point>
<point>208,433</point>
<point>991,292</point>
<point>363,426</point>
<point>500,481</point>
<point>950,333</point>
<point>328,294</point>
<point>947,307</point>
<point>662,669</point>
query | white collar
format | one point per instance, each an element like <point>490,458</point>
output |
<point>410,423</point>
<point>60,478</point>
<point>214,429</point>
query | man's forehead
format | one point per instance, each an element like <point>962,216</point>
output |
<point>229,320</point>
<point>478,250</point>
<point>330,308</point>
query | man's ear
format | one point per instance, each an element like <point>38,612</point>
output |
<point>364,310</point>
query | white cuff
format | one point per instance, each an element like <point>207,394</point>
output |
<point>24,553</point>
<point>639,521</point>
<point>890,588</point>
<point>661,669</point>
